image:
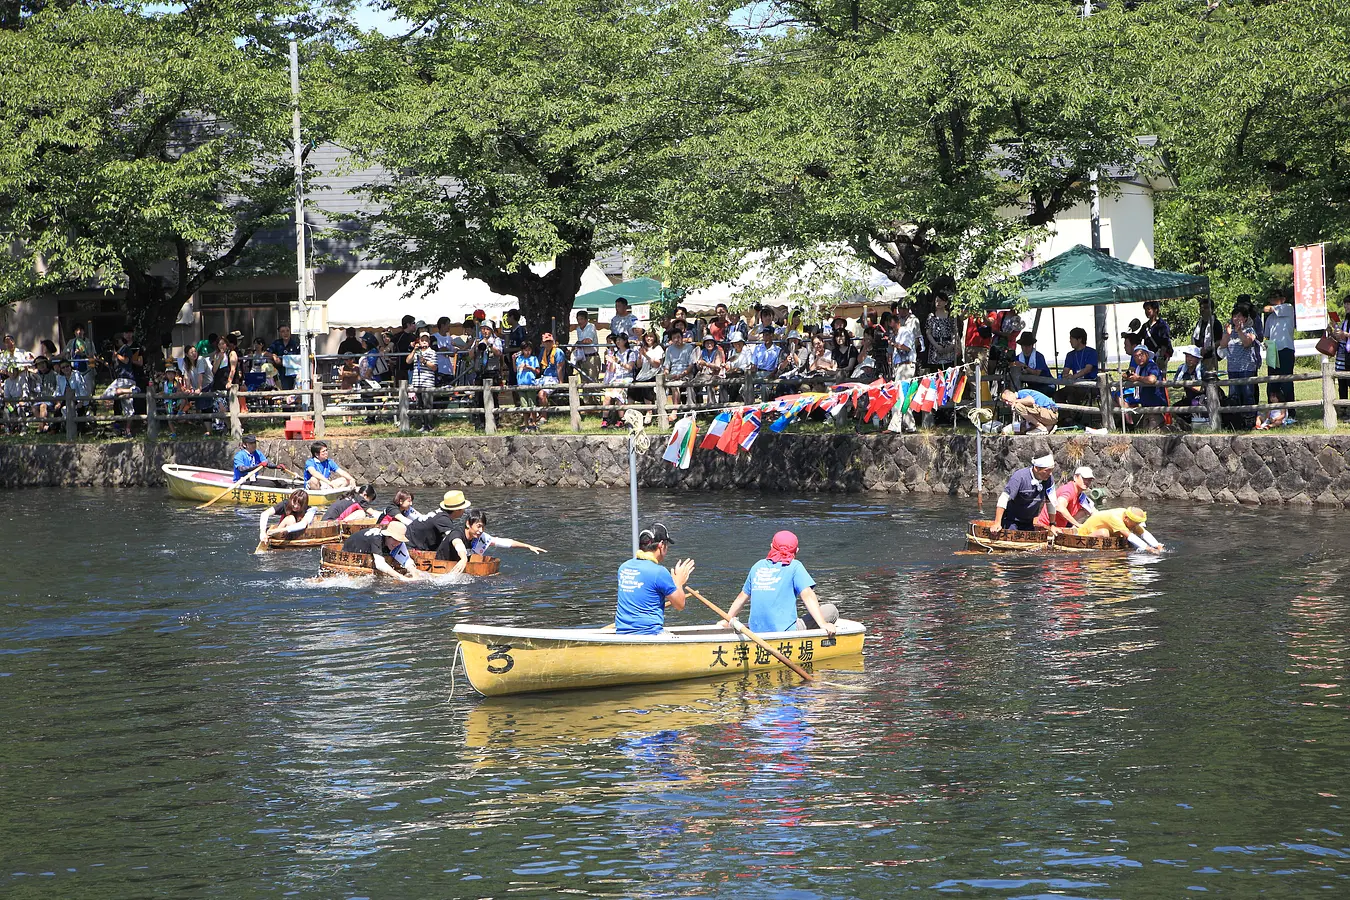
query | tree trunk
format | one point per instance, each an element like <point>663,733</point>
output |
<point>152,307</point>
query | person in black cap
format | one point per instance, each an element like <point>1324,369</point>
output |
<point>646,586</point>
<point>249,458</point>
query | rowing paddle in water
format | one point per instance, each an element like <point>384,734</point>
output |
<point>249,477</point>
<point>737,626</point>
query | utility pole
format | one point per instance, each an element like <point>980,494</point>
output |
<point>1098,311</point>
<point>302,282</point>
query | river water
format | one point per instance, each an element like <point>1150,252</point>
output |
<point>184,719</point>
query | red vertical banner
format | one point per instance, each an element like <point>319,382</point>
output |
<point>1310,287</point>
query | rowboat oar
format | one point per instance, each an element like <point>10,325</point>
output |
<point>248,477</point>
<point>737,626</point>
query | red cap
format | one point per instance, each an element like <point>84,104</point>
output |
<point>479,314</point>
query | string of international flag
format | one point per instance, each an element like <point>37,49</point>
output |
<point>734,429</point>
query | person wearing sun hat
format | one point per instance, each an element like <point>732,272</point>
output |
<point>1127,522</point>
<point>1026,492</point>
<point>427,533</point>
<point>773,587</point>
<point>391,541</point>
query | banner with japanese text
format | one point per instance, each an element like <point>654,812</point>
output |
<point>1310,287</point>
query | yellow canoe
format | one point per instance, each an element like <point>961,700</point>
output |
<point>196,483</point>
<point>501,660</point>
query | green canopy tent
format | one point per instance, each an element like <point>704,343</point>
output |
<point>636,291</point>
<point>1086,277</point>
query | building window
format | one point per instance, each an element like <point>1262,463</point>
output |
<point>254,314</point>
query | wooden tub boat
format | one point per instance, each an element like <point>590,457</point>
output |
<point>352,526</point>
<point>318,534</point>
<point>1040,540</point>
<point>334,560</point>
<point>195,483</point>
<point>523,660</point>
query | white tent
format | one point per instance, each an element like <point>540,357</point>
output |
<point>363,303</point>
<point>836,275</point>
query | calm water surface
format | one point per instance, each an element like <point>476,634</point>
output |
<point>183,719</point>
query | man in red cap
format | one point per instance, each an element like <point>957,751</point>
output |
<point>773,586</point>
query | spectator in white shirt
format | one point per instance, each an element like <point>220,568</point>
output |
<point>1280,336</point>
<point>586,353</point>
<point>623,321</point>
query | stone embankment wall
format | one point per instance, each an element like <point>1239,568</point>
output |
<point>1303,469</point>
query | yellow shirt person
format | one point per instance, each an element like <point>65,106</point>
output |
<point>1122,521</point>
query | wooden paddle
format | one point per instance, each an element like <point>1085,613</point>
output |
<point>247,477</point>
<point>806,676</point>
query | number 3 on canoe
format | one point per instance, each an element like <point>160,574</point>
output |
<point>499,660</point>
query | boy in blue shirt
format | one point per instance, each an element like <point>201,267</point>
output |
<point>249,458</point>
<point>322,474</point>
<point>646,585</point>
<point>772,588</point>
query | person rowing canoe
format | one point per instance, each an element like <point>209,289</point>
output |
<point>773,587</point>
<point>473,539</point>
<point>646,586</point>
<point>295,514</point>
<point>356,505</point>
<point>1027,490</point>
<point>377,542</point>
<point>1126,522</point>
<point>249,458</point>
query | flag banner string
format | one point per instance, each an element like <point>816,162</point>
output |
<point>735,428</point>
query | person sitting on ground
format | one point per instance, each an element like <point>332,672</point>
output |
<point>1033,412</point>
<point>1069,502</point>
<point>773,587</point>
<point>1125,522</point>
<point>1026,492</point>
<point>379,542</point>
<point>322,473</point>
<point>248,458</point>
<point>428,532</point>
<point>646,587</point>
<point>294,512</point>
<point>473,540</point>
<point>355,505</point>
<point>400,510</point>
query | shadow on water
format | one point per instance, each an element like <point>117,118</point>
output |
<point>184,718</point>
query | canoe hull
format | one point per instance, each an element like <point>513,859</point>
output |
<point>503,661</point>
<point>198,484</point>
<point>334,560</point>
<point>1040,540</point>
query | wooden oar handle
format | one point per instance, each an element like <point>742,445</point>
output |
<point>737,626</point>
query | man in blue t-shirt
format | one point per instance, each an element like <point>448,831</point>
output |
<point>322,474</point>
<point>248,458</point>
<point>772,588</point>
<point>1033,412</point>
<point>1026,492</point>
<point>646,586</point>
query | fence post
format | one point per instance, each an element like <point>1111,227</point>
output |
<point>1104,398</point>
<point>660,387</point>
<point>151,419</point>
<point>236,424</point>
<point>1329,393</point>
<point>73,415</point>
<point>489,408</point>
<point>318,410</point>
<point>748,389</point>
<point>1212,403</point>
<point>404,422</point>
<point>574,400</point>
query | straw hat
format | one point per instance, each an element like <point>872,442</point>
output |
<point>454,500</point>
<point>396,530</point>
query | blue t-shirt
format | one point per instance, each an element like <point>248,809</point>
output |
<point>1078,359</point>
<point>1038,398</point>
<point>325,469</point>
<point>773,591</point>
<point>245,460</point>
<point>1149,394</point>
<point>523,376</point>
<point>643,588</point>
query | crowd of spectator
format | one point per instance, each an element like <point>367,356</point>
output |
<point>712,359</point>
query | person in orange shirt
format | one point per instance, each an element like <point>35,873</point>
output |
<point>1070,500</point>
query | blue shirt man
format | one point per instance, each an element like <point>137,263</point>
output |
<point>765,356</point>
<point>773,586</point>
<point>248,457</point>
<point>646,585</point>
<point>1077,361</point>
<point>1142,366</point>
<point>323,468</point>
<point>1027,490</point>
<point>1038,398</point>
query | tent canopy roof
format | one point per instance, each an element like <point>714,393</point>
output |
<point>636,291</point>
<point>1086,277</point>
